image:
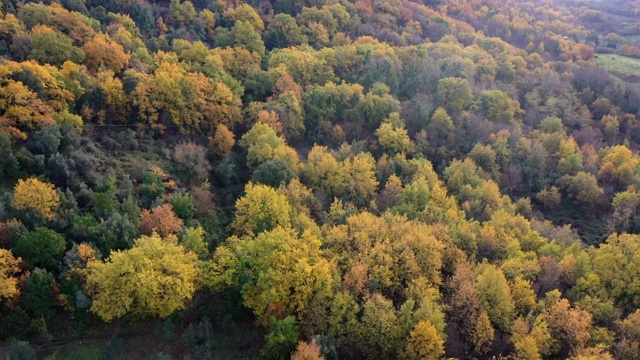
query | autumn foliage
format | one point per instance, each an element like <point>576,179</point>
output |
<point>33,194</point>
<point>161,220</point>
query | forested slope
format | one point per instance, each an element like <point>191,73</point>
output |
<point>307,179</point>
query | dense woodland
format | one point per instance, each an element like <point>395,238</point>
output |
<point>318,179</point>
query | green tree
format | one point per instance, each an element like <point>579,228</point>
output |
<point>51,47</point>
<point>583,187</point>
<point>495,295</point>
<point>193,240</point>
<point>183,206</point>
<point>273,173</point>
<point>281,339</point>
<point>246,37</point>
<point>616,267</point>
<point>246,13</point>
<point>454,94</point>
<point>284,32</point>
<point>343,320</point>
<point>379,332</point>
<point>498,106</point>
<point>263,144</point>
<point>38,294</point>
<point>41,247</point>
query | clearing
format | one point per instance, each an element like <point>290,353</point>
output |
<point>622,67</point>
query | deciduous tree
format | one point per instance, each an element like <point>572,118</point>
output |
<point>37,196</point>
<point>160,219</point>
<point>154,278</point>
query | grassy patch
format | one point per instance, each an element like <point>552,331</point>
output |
<point>80,350</point>
<point>622,67</point>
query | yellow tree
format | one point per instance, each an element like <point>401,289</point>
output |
<point>222,141</point>
<point>263,144</point>
<point>154,278</point>
<point>8,267</point>
<point>101,50</point>
<point>323,171</point>
<point>37,196</point>
<point>392,136</point>
<point>361,181</point>
<point>261,209</point>
<point>424,343</point>
<point>278,272</point>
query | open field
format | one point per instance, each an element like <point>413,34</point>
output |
<point>622,67</point>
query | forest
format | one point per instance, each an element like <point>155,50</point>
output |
<point>320,179</point>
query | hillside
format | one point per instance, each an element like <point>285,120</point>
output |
<point>319,179</point>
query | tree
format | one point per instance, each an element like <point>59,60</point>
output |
<point>392,135</point>
<point>38,294</point>
<point>260,209</point>
<point>41,247</point>
<point>454,94</point>
<point>343,320</point>
<point>161,220</point>
<point>8,268</point>
<point>51,47</point>
<point>583,187</point>
<point>102,51</point>
<point>620,166</point>
<point>246,13</point>
<point>481,334</point>
<point>246,36</point>
<point>498,106</point>
<point>154,278</point>
<point>616,265</point>
<point>424,343</point>
<point>495,295</point>
<point>485,158</point>
<point>222,141</point>
<point>263,144</point>
<point>35,195</point>
<point>190,100</point>
<point>524,298</point>
<point>570,327</point>
<point>183,206</point>
<point>379,330</point>
<point>277,272</point>
<point>284,32</point>
<point>181,14</point>
<point>191,162</point>
<point>193,240</point>
<point>393,250</point>
<point>281,339</point>
<point>361,181</point>
<point>273,173</point>
<point>307,351</point>
<point>324,171</point>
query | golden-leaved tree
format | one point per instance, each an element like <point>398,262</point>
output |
<point>8,267</point>
<point>35,195</point>
<point>154,278</point>
<point>278,272</point>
